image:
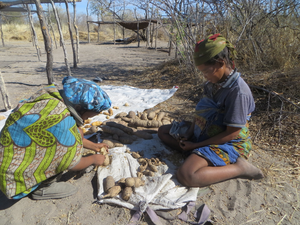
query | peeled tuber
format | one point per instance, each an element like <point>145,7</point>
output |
<point>106,161</point>
<point>129,182</point>
<point>126,193</point>
<point>110,111</point>
<point>108,183</point>
<point>138,182</point>
<point>113,192</point>
<point>135,155</point>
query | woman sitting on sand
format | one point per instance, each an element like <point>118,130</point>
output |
<point>218,139</point>
<point>41,139</point>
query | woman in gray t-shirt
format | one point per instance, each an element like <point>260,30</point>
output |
<point>218,141</point>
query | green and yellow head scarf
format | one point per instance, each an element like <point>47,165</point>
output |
<point>210,47</point>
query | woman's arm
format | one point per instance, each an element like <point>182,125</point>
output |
<point>91,145</point>
<point>229,134</point>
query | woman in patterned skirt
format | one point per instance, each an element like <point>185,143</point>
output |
<point>41,139</point>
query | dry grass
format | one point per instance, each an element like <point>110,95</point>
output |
<point>23,32</point>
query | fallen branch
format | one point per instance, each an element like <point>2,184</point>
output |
<point>275,94</point>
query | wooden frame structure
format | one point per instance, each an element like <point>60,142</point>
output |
<point>135,26</point>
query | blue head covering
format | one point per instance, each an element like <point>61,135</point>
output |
<point>86,93</point>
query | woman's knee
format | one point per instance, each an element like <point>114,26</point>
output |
<point>163,130</point>
<point>184,177</point>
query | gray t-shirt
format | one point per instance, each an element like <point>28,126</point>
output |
<point>234,98</point>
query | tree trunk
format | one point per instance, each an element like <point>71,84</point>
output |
<point>34,37</point>
<point>62,42</point>
<point>87,19</point>
<point>51,27</point>
<point>71,35</point>
<point>4,93</point>
<point>2,38</point>
<point>76,31</point>
<point>47,41</point>
<point>138,31</point>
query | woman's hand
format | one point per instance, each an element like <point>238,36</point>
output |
<point>94,146</point>
<point>98,147</point>
<point>187,145</point>
<point>98,159</point>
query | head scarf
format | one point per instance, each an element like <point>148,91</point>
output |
<point>210,47</point>
<point>86,93</point>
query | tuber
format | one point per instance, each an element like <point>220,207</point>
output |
<point>113,191</point>
<point>143,134</point>
<point>139,174</point>
<point>135,155</point>
<point>160,116</point>
<point>126,140</point>
<point>151,115</point>
<point>121,181</point>
<point>87,121</point>
<point>144,116</point>
<point>93,129</point>
<point>121,114</point>
<point>110,112</point>
<point>143,166</point>
<point>115,137</point>
<point>115,107</point>
<point>165,122</point>
<point>152,167</point>
<point>112,143</point>
<point>108,182</point>
<point>131,114</point>
<point>138,182</point>
<point>117,120</point>
<point>106,161</point>
<point>96,123</point>
<point>126,193</point>
<point>106,113</point>
<point>103,151</point>
<point>148,173</point>
<point>129,182</point>
<point>121,125</point>
<point>126,104</point>
<point>114,130</point>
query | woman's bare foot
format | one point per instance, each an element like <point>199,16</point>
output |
<point>249,171</point>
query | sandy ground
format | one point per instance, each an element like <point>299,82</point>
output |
<point>272,200</point>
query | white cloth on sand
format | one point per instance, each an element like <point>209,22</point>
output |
<point>160,192</point>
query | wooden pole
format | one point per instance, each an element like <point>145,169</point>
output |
<point>51,27</point>
<point>47,41</point>
<point>138,31</point>
<point>152,34</point>
<point>98,28</point>
<point>4,93</point>
<point>76,31</point>
<point>87,19</point>
<point>196,22</point>
<point>114,24</point>
<point>156,36</point>
<point>34,36</point>
<point>62,42</point>
<point>71,36</point>
<point>1,31</point>
<point>148,28</point>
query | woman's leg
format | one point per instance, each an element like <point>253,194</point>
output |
<point>86,161</point>
<point>198,172</point>
<point>163,134</point>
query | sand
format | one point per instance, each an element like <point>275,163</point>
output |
<point>272,200</point>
